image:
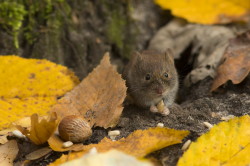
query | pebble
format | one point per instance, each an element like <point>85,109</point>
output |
<point>67,144</point>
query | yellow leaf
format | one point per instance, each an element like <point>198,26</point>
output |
<point>40,130</point>
<point>138,144</point>
<point>30,86</point>
<point>8,153</point>
<point>32,77</point>
<point>56,143</point>
<point>24,122</point>
<point>14,109</point>
<point>228,143</point>
<point>241,158</point>
<point>110,158</point>
<point>98,98</point>
<point>209,11</point>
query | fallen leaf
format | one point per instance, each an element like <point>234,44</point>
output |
<point>236,61</point>
<point>227,143</point>
<point>241,158</point>
<point>24,122</point>
<point>14,108</point>
<point>8,153</point>
<point>30,86</point>
<point>56,143</point>
<point>98,98</point>
<point>38,153</point>
<point>138,144</point>
<point>23,78</point>
<point>3,139</point>
<point>41,130</point>
<point>110,158</point>
<point>210,11</point>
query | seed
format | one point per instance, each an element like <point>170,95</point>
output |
<point>160,125</point>
<point>18,134</point>
<point>208,125</point>
<point>114,133</point>
<point>67,144</point>
<point>186,145</point>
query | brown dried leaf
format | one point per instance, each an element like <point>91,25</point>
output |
<point>98,98</point>
<point>8,153</point>
<point>3,139</point>
<point>38,153</point>
<point>56,143</point>
<point>236,62</point>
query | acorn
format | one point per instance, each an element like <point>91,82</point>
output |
<point>74,128</point>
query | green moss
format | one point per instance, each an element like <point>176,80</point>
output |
<point>30,17</point>
<point>44,15</point>
<point>12,15</point>
<point>119,24</point>
<point>116,28</point>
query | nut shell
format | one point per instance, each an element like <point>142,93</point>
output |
<point>74,128</point>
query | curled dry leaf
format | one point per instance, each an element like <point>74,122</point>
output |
<point>209,11</point>
<point>227,143</point>
<point>236,61</point>
<point>8,153</point>
<point>40,130</point>
<point>98,98</point>
<point>138,144</point>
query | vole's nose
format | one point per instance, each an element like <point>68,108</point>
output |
<point>159,91</point>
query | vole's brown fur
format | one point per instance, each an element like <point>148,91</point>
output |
<point>151,77</point>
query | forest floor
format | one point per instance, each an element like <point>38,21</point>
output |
<point>198,106</point>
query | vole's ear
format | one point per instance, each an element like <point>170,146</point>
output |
<point>137,56</point>
<point>169,54</point>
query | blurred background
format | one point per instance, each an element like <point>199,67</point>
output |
<point>77,33</point>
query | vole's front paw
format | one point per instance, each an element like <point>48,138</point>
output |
<point>153,108</point>
<point>160,108</point>
<point>165,111</point>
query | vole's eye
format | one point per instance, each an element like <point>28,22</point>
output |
<point>166,75</point>
<point>147,77</point>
